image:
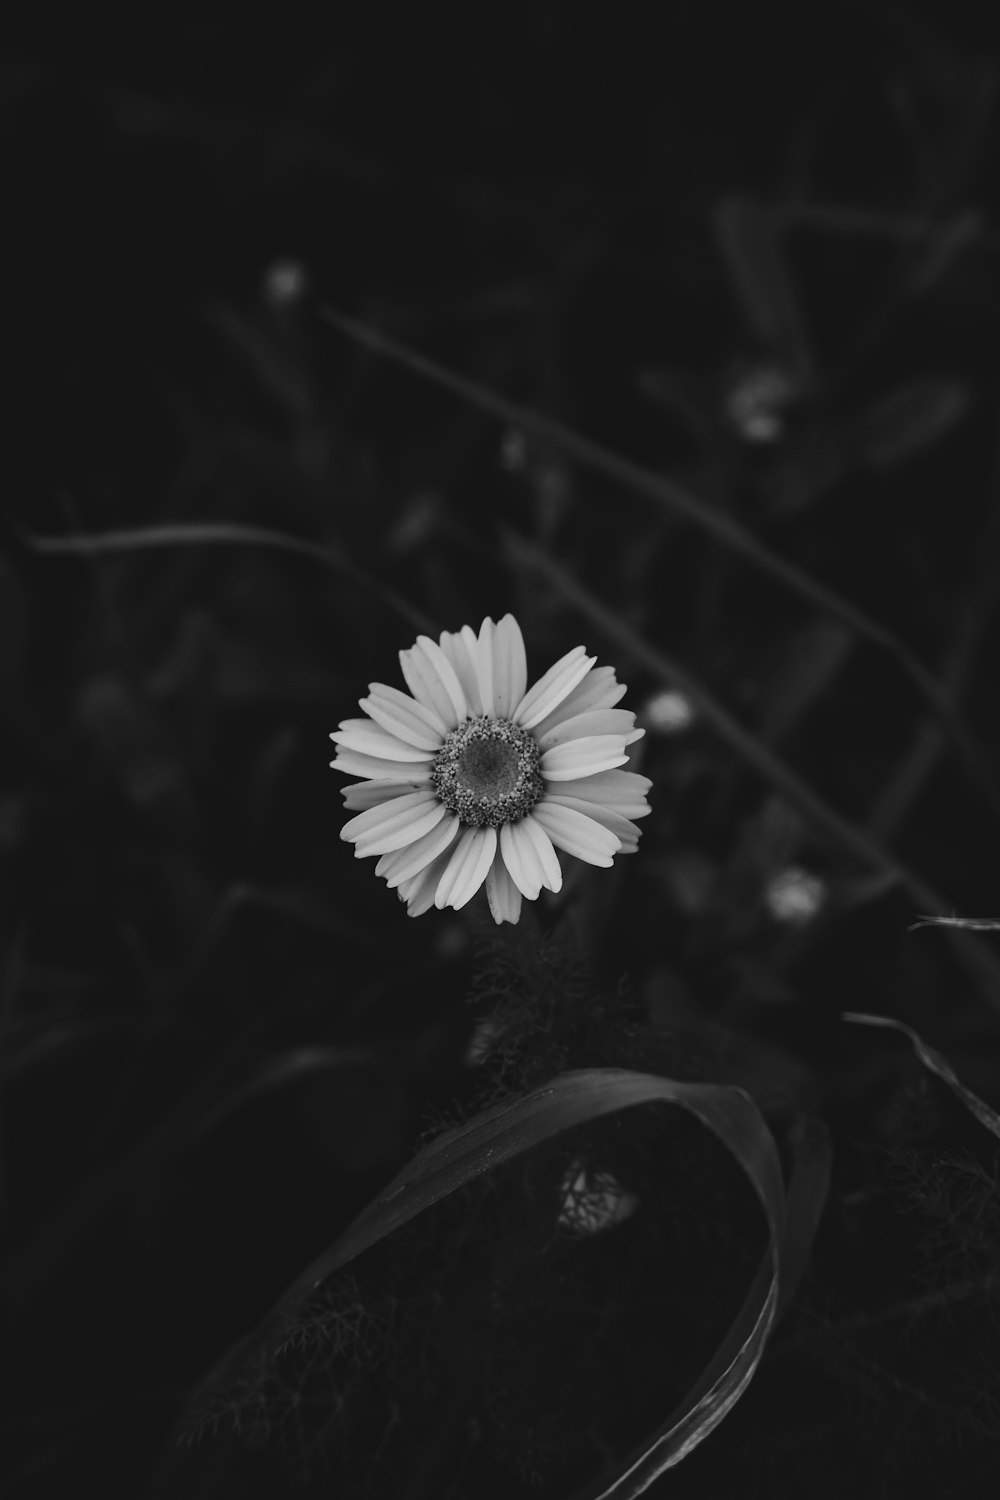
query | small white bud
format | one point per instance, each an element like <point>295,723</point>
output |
<point>285,282</point>
<point>668,712</point>
<point>794,895</point>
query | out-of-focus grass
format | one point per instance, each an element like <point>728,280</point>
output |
<point>718,300</point>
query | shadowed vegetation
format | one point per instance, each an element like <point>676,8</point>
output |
<point>676,336</point>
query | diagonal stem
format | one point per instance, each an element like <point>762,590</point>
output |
<point>978,959</point>
<point>673,497</point>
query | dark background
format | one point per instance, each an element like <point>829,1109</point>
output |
<point>219,1034</point>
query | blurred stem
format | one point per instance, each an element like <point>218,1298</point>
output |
<point>223,534</point>
<point>925,751</point>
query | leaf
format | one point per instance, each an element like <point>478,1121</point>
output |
<point>512,1127</point>
<point>277,372</point>
<point>698,1415</point>
<point>971,924</point>
<point>933,1060</point>
<point>911,418</point>
<point>806,665</point>
<point>750,242</point>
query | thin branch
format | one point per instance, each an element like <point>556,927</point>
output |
<point>222,534</point>
<point>979,605</point>
<point>970,924</point>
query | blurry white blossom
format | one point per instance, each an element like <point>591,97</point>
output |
<point>668,712</point>
<point>794,895</point>
<point>756,402</point>
<point>285,282</point>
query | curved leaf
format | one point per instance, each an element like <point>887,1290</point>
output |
<point>913,417</point>
<point>505,1131</point>
<point>933,1060</point>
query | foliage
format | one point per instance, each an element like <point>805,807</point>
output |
<point>674,337</point>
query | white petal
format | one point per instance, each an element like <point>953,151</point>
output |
<point>484,664</point>
<point>529,856</point>
<point>438,663</point>
<point>370,793</point>
<point>426,681</point>
<point>545,853</point>
<point>372,739</point>
<point>598,752</point>
<point>519,857</point>
<point>403,864</point>
<point>619,721</point>
<point>626,830</point>
<point>462,650</point>
<point>402,833</point>
<point>502,894</point>
<point>577,833</point>
<point>621,791</point>
<point>510,667</point>
<point>385,816</point>
<point>404,717</point>
<point>551,689</point>
<point>467,868</point>
<point>418,891</point>
<point>598,689</point>
<point>374,768</point>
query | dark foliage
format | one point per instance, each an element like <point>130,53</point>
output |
<point>753,251</point>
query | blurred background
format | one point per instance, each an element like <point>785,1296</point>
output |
<point>754,253</point>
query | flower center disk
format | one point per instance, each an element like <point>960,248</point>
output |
<point>488,771</point>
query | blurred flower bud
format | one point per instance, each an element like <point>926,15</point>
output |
<point>285,283</point>
<point>756,403</point>
<point>794,895</point>
<point>667,712</point>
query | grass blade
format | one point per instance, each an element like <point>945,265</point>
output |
<point>222,534</point>
<point>937,1064</point>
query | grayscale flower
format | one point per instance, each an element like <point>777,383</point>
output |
<point>473,778</point>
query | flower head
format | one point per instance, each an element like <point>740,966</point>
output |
<point>472,778</point>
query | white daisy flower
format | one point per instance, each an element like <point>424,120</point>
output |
<point>477,779</point>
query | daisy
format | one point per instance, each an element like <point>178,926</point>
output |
<point>477,778</point>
